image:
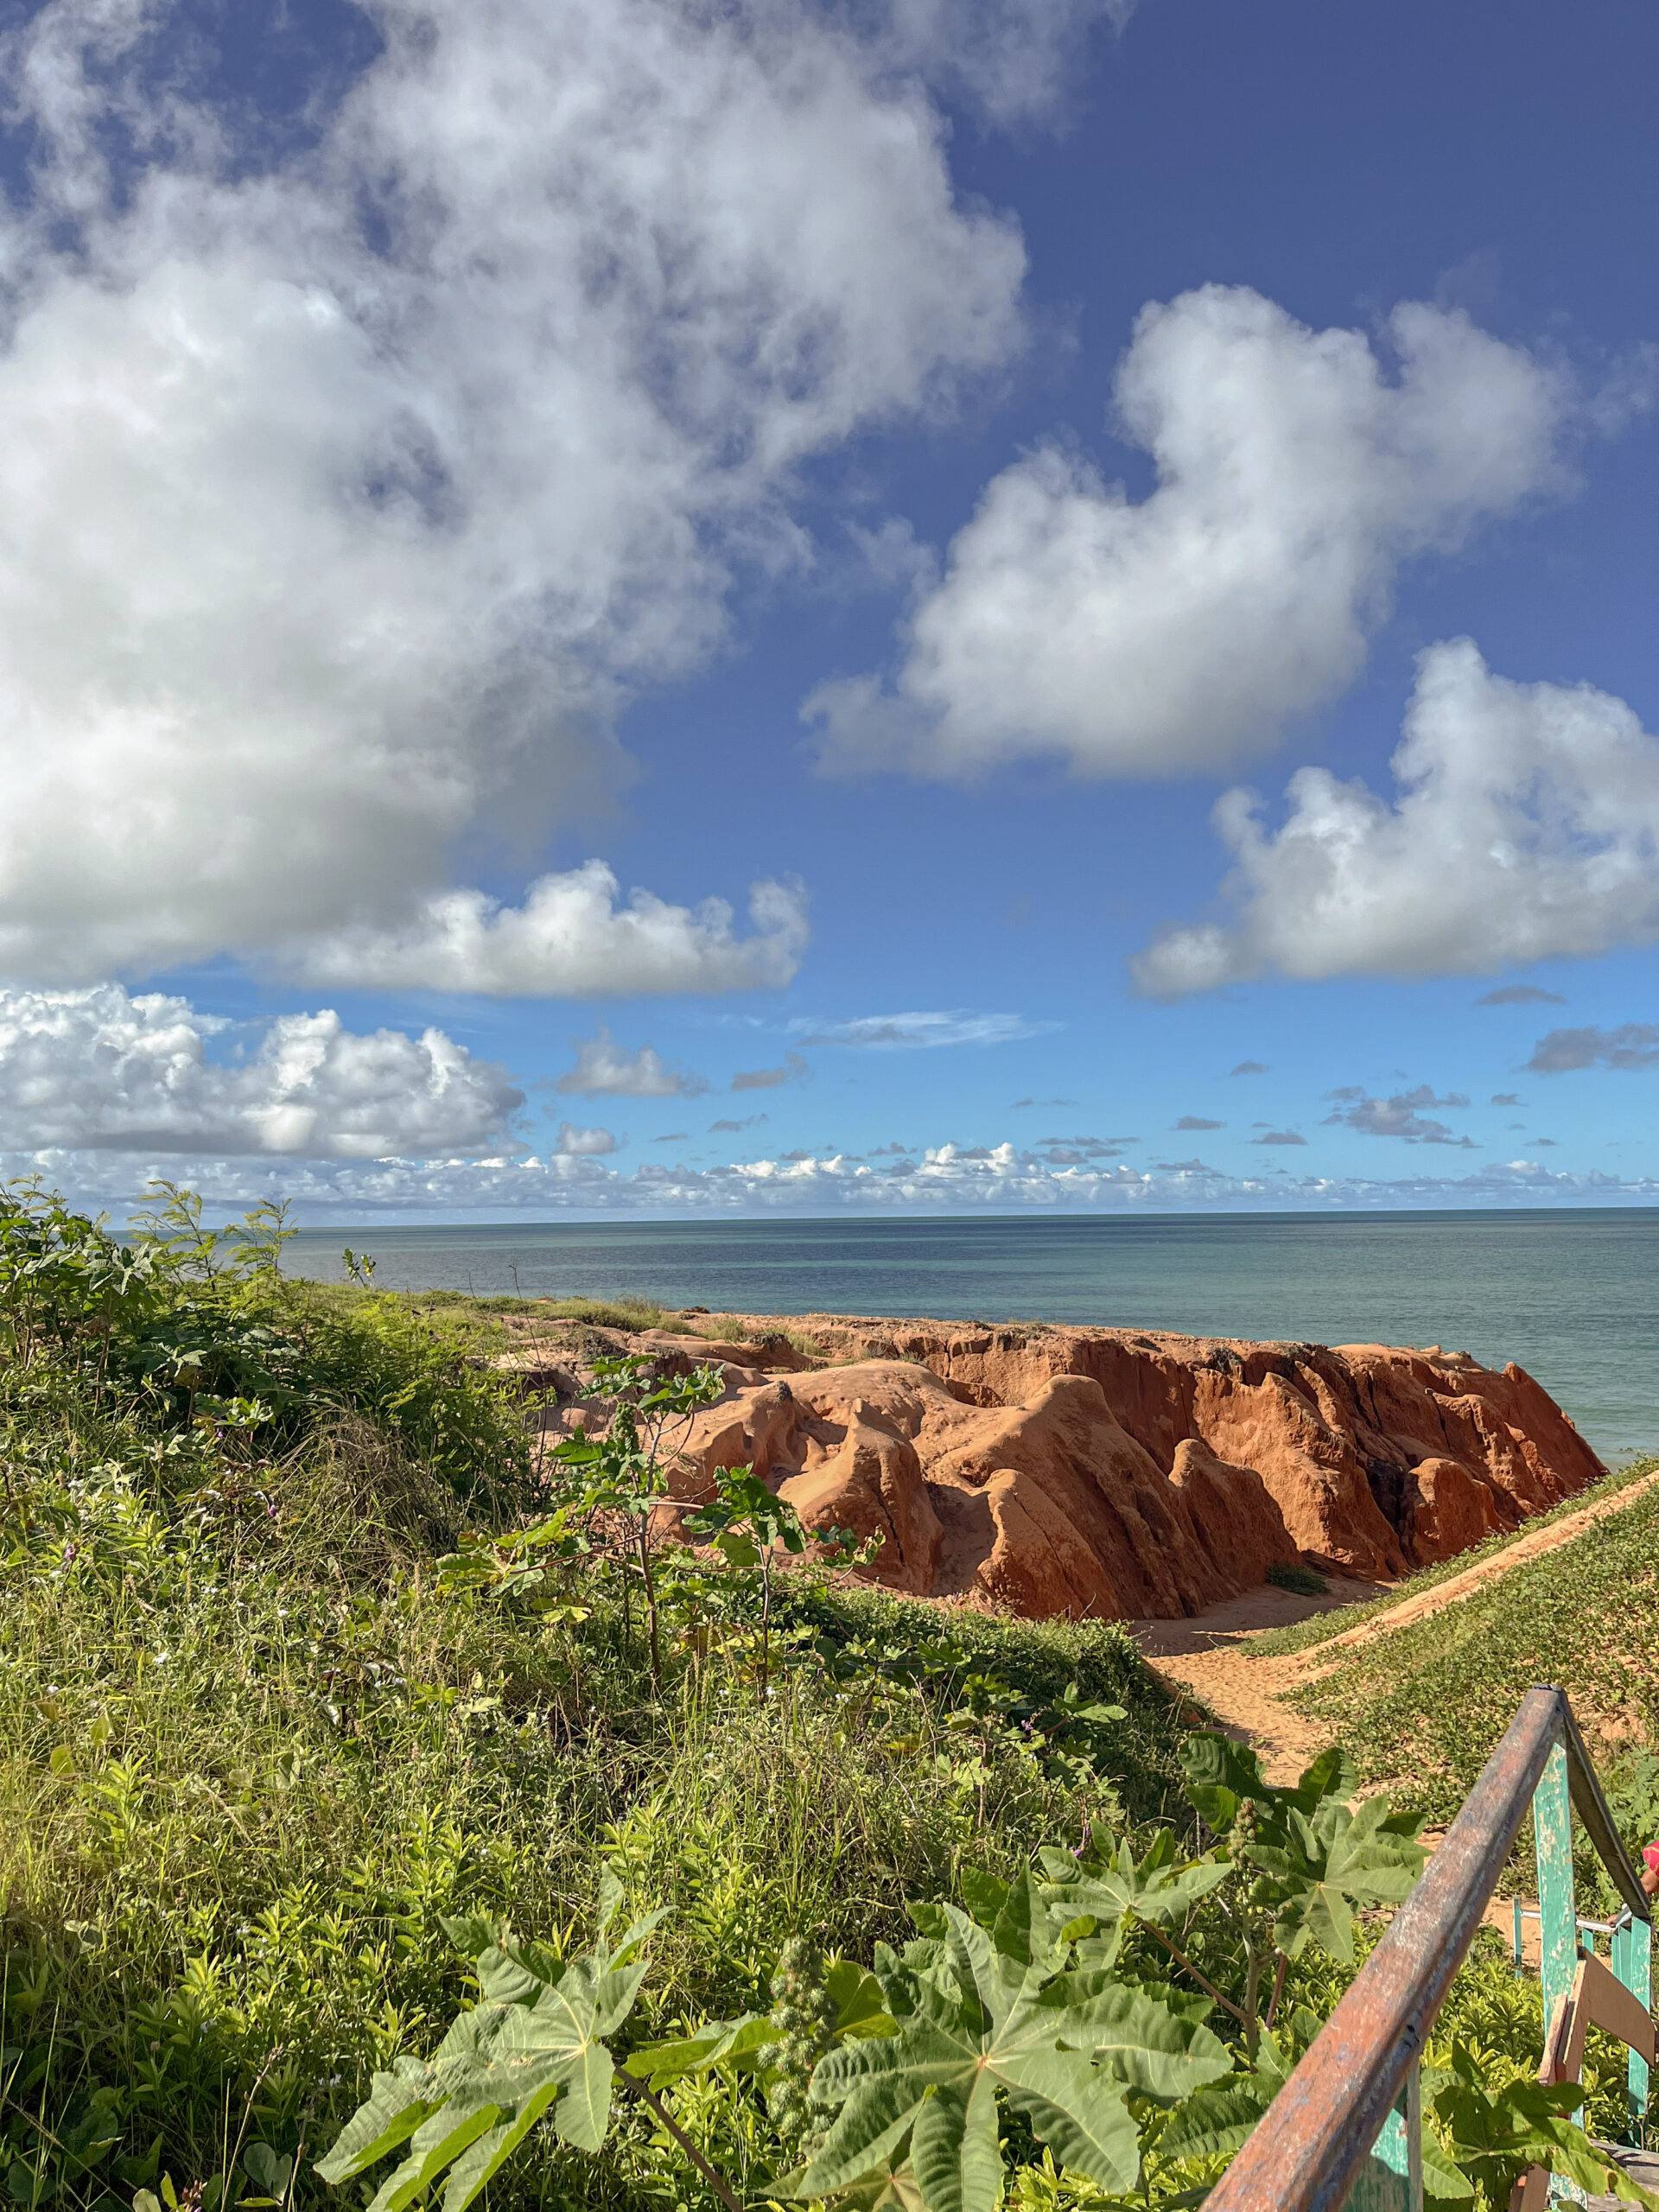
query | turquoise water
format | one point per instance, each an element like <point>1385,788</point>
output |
<point>1573,1296</point>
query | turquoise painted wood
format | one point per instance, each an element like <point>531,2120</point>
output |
<point>1391,2179</point>
<point>1632,1964</point>
<point>1551,1829</point>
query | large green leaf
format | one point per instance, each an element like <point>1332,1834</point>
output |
<point>1107,1885</point>
<point>977,2011</point>
<point>716,2043</point>
<point>1153,2048</point>
<point>1329,1864</point>
<point>535,2046</point>
<point>1494,2134</point>
<point>1221,1775</point>
<point>1215,2123</point>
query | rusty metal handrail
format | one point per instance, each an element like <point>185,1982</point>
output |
<point>1308,2151</point>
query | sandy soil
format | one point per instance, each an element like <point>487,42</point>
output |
<point>1209,1654</point>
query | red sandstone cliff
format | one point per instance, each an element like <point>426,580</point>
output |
<point>1116,1473</point>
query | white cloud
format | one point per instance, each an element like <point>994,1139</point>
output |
<point>901,1033</point>
<point>1012,60</point>
<point>583,1144</point>
<point>1297,469</point>
<point>100,1069</point>
<point>344,495</point>
<point>605,1069</point>
<point>569,937</point>
<point>1632,1045</point>
<point>945,1179</point>
<point>1525,827</point>
<point>1400,1115</point>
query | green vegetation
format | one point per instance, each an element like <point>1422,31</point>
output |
<point>1425,1703</point>
<point>488,1320</point>
<point>1302,1636</point>
<point>351,1753</point>
<point>1302,1579</point>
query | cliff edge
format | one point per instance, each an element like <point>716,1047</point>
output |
<point>1118,1473</point>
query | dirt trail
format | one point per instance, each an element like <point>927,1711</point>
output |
<point>1209,1654</point>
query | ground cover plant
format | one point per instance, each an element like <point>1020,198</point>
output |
<point>1303,1636</point>
<point>1425,1701</point>
<point>347,1741</point>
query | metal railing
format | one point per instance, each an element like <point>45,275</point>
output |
<point>1347,2124</point>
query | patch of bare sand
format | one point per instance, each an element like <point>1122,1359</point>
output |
<point>1209,1655</point>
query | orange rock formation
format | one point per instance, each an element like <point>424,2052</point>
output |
<point>1118,1474</point>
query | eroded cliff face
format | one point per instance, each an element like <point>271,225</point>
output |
<point>1119,1474</point>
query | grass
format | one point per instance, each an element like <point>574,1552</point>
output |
<point>484,1321</point>
<point>253,1750</point>
<point>257,1744</point>
<point>1302,1579</point>
<point>1303,1636</point>
<point>1424,1704</point>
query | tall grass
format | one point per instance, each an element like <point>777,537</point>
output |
<point>253,1750</point>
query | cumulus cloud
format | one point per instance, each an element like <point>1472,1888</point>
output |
<point>1279,1136</point>
<point>1505,1098</point>
<point>1525,827</point>
<point>573,1143</point>
<point>1198,1122</point>
<point>1400,1115</point>
<point>1632,1045</point>
<point>605,1069</point>
<point>1249,1067</point>
<point>1297,470</point>
<point>353,480</point>
<point>905,1032</point>
<point>569,937</point>
<point>794,1070</point>
<point>1013,60</point>
<point>1520,995</point>
<point>749,1122</point>
<point>99,1069</point>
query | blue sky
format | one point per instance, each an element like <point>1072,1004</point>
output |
<point>466,469</point>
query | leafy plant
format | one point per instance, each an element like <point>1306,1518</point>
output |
<point>534,2044</point>
<point>626,1470</point>
<point>987,2011</point>
<point>1488,2137</point>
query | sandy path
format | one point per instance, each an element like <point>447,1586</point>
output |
<point>1210,1655</point>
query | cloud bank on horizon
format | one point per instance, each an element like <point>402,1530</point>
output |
<point>452,457</point>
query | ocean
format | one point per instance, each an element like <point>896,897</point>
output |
<point>1573,1295</point>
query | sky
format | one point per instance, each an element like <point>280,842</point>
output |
<point>621,607</point>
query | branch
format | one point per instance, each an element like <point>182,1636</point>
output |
<point>721,2189</point>
<point>1202,1981</point>
<point>1278,1989</point>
